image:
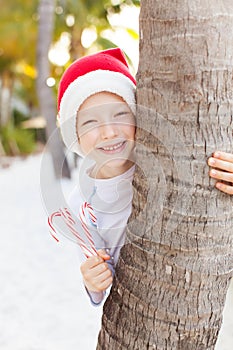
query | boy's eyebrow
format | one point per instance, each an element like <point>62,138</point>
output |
<point>85,114</point>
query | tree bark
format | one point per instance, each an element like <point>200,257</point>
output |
<point>174,270</point>
<point>45,94</point>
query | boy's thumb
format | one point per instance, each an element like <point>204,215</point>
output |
<point>102,253</point>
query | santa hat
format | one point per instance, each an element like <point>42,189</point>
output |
<point>103,71</point>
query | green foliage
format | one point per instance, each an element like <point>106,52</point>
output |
<point>18,118</point>
<point>104,43</point>
<point>17,141</point>
<point>18,31</point>
<point>18,37</point>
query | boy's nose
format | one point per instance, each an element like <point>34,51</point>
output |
<point>109,130</point>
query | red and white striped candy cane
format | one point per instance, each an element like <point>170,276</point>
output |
<point>86,209</point>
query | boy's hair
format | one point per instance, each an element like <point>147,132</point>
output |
<point>103,71</point>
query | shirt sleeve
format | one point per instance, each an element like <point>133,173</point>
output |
<point>96,297</point>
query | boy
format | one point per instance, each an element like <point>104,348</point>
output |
<point>96,101</point>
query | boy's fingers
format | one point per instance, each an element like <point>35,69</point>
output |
<point>103,275</point>
<point>106,283</point>
<point>103,280</point>
<point>102,253</point>
<point>99,279</point>
<point>220,164</point>
<point>224,188</point>
<point>99,286</point>
<point>100,269</point>
<point>91,262</point>
<point>224,156</point>
<point>221,175</point>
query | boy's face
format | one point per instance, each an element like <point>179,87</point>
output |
<point>106,131</point>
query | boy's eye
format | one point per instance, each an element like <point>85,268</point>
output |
<point>90,121</point>
<point>125,117</point>
<point>122,113</point>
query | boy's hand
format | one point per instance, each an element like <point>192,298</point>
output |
<point>222,164</point>
<point>96,274</point>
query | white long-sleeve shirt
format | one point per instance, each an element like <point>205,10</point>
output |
<point>111,200</point>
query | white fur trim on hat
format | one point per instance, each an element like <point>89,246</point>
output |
<point>83,87</point>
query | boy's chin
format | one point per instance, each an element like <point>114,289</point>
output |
<point>117,164</point>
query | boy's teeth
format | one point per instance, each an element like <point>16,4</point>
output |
<point>113,147</point>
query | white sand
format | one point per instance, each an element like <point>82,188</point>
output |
<point>42,302</point>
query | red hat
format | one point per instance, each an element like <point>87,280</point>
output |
<point>103,71</point>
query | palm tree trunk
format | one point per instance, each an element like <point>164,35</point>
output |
<point>45,94</point>
<point>175,268</point>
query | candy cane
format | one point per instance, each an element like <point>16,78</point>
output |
<point>85,209</point>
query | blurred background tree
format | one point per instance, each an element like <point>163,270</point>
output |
<point>18,31</point>
<point>80,27</point>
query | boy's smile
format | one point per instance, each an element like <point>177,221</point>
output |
<point>113,148</point>
<point>106,131</point>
